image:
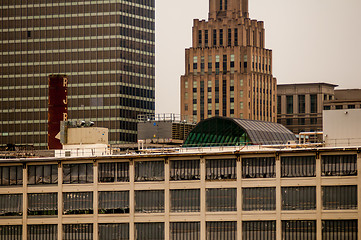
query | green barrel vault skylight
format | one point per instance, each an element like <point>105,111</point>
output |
<point>222,131</point>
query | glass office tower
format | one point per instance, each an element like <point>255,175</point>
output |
<point>105,47</point>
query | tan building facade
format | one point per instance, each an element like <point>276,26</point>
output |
<point>237,193</point>
<point>300,106</point>
<point>228,70</point>
<point>344,99</point>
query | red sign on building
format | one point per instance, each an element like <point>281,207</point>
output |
<point>57,108</point>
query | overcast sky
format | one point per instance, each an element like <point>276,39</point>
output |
<point>311,40</point>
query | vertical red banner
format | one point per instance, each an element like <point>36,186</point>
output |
<point>57,108</point>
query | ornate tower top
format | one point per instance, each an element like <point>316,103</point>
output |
<point>228,8</point>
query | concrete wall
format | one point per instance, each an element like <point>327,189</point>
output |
<point>87,136</point>
<point>154,130</point>
<point>342,127</point>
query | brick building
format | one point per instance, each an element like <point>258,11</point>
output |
<point>228,70</point>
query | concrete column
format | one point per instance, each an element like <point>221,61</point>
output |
<point>239,197</point>
<point>278,198</point>
<point>308,103</point>
<point>25,202</point>
<point>318,198</point>
<point>359,192</point>
<point>60,201</point>
<point>203,198</point>
<point>131,200</point>
<point>95,200</point>
<point>167,200</point>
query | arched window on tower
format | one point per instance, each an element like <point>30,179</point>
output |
<point>225,4</point>
<point>220,4</point>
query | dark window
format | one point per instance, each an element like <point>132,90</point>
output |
<point>289,104</point>
<point>185,231</point>
<point>206,38</point>
<point>214,37</point>
<point>118,231</point>
<point>77,231</point>
<point>259,230</point>
<point>149,171</point>
<point>298,198</point>
<point>339,165</point>
<point>224,63</point>
<point>299,230</point>
<point>185,200</point>
<point>351,106</point>
<point>229,43</point>
<point>340,229</point>
<point>289,121</point>
<point>42,204</point>
<point>259,199</point>
<point>279,105</point>
<point>301,121</point>
<point>327,108</point>
<point>11,175</point>
<point>301,104</point>
<point>43,174</point>
<point>339,197</point>
<point>48,232</point>
<point>221,37</point>
<point>221,199</point>
<point>11,205</point>
<point>113,202</point>
<point>313,103</point>
<point>149,201</point>
<point>11,232</point>
<point>235,37</point>
<point>114,172</point>
<point>218,169</point>
<point>149,231</point>
<point>78,173</point>
<point>199,38</point>
<point>263,167</point>
<point>221,230</point>
<point>339,107</point>
<point>78,203</point>
<point>220,4</point>
<point>313,121</point>
<point>298,166</point>
<point>202,66</point>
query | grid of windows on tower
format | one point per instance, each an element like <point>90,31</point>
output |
<point>228,60</point>
<point>103,46</point>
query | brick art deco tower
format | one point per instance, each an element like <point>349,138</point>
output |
<point>228,71</point>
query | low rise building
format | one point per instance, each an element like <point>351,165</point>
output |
<point>228,193</point>
<point>344,99</point>
<point>300,105</point>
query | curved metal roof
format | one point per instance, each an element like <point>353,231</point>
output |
<point>223,131</point>
<point>265,133</point>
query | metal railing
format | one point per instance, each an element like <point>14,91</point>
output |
<point>163,117</point>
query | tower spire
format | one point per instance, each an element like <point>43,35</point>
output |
<point>227,8</point>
